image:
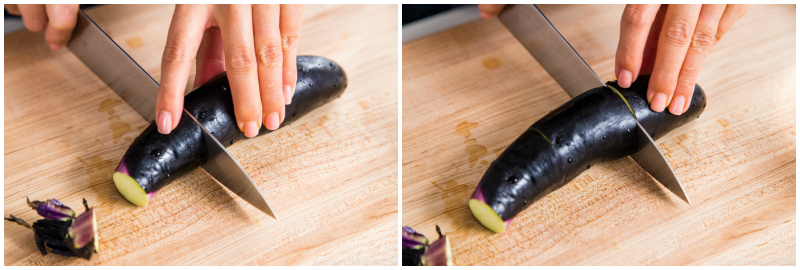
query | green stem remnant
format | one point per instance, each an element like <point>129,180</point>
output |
<point>623,99</point>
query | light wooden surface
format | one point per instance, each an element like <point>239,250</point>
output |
<point>331,177</point>
<point>470,91</point>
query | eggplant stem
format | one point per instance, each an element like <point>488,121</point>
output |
<point>85,204</point>
<point>19,221</point>
<point>439,231</point>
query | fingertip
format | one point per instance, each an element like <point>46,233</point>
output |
<point>164,122</point>
<point>272,121</point>
<point>251,129</point>
<point>55,47</point>
<point>486,15</point>
<point>625,78</point>
<point>659,102</point>
<point>677,105</point>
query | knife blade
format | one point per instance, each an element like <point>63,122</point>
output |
<point>542,40</point>
<point>230,173</point>
<point>137,88</point>
<point>114,66</point>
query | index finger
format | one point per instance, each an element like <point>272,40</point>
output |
<point>61,21</point>
<point>634,31</point>
<point>490,10</point>
<point>183,40</point>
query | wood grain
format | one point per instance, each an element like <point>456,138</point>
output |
<point>331,176</point>
<point>468,92</point>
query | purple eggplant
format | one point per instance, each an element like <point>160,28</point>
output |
<point>417,251</point>
<point>154,160</point>
<point>52,209</point>
<point>598,125</point>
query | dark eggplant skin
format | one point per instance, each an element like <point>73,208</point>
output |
<point>50,235</point>
<point>413,257</point>
<point>593,127</point>
<point>154,160</point>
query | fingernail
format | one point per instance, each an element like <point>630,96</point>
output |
<point>55,47</point>
<point>251,129</point>
<point>650,93</point>
<point>272,121</point>
<point>659,102</point>
<point>287,94</point>
<point>164,122</point>
<point>677,105</point>
<point>625,79</point>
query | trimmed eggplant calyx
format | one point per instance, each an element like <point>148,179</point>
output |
<point>413,257</point>
<point>67,237</point>
<point>412,239</point>
<point>438,253</point>
<point>52,209</point>
<point>417,251</point>
<point>82,232</point>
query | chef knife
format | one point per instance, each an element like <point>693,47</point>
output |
<point>132,83</point>
<point>553,52</point>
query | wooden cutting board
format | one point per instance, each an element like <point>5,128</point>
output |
<point>331,177</point>
<point>470,91</point>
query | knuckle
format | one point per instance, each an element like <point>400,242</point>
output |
<point>703,40</point>
<point>241,60</point>
<point>627,60</point>
<point>289,42</point>
<point>61,25</point>
<point>685,84</point>
<point>678,33</point>
<point>271,103</point>
<point>664,83</point>
<point>636,16</point>
<point>270,55</point>
<point>169,98</point>
<point>176,54</point>
<point>34,24</point>
<point>248,110</point>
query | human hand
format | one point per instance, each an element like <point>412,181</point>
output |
<point>57,21</point>
<point>490,10</point>
<point>670,42</point>
<point>256,44</point>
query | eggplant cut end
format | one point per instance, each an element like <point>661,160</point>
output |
<point>438,253</point>
<point>130,189</point>
<point>487,216</point>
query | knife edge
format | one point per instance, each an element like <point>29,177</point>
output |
<point>228,172</point>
